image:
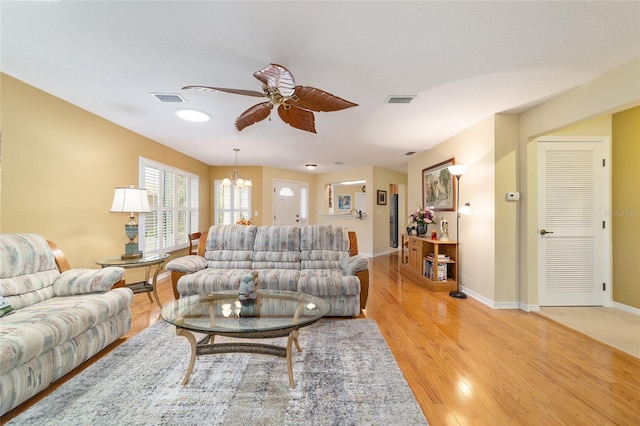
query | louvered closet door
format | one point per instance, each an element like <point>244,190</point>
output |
<point>570,215</point>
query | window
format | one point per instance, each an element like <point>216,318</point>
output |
<point>231,203</point>
<point>304,202</point>
<point>174,202</point>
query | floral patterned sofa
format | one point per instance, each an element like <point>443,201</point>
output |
<point>320,260</point>
<point>60,316</point>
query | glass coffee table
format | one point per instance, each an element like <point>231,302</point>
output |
<point>274,313</point>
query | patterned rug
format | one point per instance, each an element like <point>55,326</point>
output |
<point>345,375</point>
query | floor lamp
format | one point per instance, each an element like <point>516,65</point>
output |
<point>458,170</point>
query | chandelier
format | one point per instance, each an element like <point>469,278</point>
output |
<point>235,178</point>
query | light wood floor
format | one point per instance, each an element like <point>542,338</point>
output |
<point>470,365</point>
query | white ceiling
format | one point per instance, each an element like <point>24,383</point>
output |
<point>464,60</point>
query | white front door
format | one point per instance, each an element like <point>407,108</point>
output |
<point>571,222</point>
<point>288,203</point>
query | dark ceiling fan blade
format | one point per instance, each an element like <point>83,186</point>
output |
<point>277,76</point>
<point>222,89</point>
<point>254,114</point>
<point>298,118</point>
<point>318,100</point>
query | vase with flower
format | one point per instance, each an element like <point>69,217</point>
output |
<point>422,217</point>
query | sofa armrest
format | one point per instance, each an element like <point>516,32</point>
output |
<point>187,264</point>
<point>84,281</point>
<point>353,264</point>
<point>363,276</point>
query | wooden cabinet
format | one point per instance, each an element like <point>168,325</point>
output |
<point>432,261</point>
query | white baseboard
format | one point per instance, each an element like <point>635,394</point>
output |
<point>499,305</point>
<point>626,308</point>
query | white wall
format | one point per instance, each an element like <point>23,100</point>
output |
<point>474,147</point>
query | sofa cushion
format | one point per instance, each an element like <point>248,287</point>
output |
<point>323,246</point>
<point>328,282</point>
<point>187,264</point>
<point>230,246</point>
<point>211,280</point>
<point>27,269</point>
<point>24,254</point>
<point>83,281</point>
<point>278,279</point>
<point>277,247</point>
<point>36,329</point>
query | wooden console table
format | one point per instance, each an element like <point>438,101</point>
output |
<point>418,253</point>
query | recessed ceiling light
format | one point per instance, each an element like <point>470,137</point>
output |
<point>193,115</point>
<point>310,166</point>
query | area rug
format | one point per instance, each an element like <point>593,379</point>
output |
<point>345,375</point>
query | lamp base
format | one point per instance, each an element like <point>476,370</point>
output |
<point>131,251</point>
<point>131,256</point>
<point>457,294</point>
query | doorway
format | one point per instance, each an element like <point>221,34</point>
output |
<point>573,242</point>
<point>290,203</point>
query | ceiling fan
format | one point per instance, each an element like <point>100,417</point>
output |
<point>295,103</point>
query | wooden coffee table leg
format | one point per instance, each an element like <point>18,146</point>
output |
<point>192,341</point>
<point>293,338</point>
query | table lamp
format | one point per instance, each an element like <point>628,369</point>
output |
<point>130,200</point>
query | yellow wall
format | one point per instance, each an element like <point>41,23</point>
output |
<point>507,128</point>
<point>625,211</point>
<point>60,165</point>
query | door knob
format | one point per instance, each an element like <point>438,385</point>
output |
<point>543,232</point>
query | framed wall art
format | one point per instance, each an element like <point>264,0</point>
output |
<point>439,187</point>
<point>344,202</point>
<point>382,198</point>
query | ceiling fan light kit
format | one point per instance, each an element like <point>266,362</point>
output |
<point>296,104</point>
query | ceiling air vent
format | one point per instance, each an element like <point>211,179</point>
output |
<point>168,97</point>
<point>400,99</point>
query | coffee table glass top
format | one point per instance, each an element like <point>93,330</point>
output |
<point>221,312</point>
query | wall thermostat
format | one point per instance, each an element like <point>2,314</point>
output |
<point>512,196</point>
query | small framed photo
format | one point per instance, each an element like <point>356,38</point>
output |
<point>344,202</point>
<point>382,198</point>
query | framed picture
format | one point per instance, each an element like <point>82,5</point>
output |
<point>439,187</point>
<point>382,198</point>
<point>344,202</point>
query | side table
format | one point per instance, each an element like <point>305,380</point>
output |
<point>146,261</point>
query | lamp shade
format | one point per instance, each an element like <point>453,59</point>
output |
<point>130,200</point>
<point>466,209</point>
<point>458,169</point>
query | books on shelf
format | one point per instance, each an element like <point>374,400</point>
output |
<point>429,271</point>
<point>441,257</point>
